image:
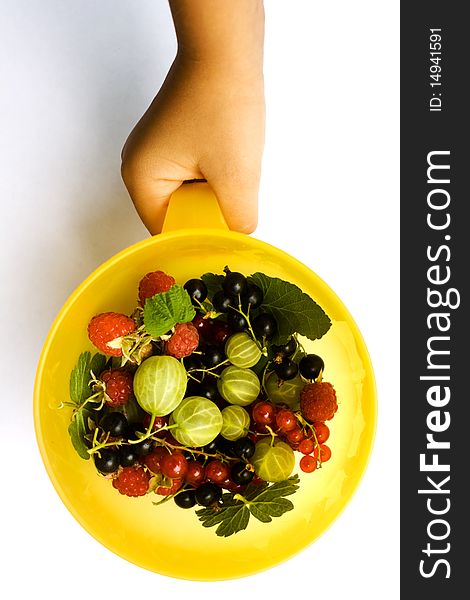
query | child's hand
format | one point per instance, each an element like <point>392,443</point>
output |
<point>207,121</point>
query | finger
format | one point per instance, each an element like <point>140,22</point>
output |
<point>151,198</point>
<point>237,194</point>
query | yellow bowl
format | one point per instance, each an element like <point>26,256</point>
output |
<point>166,539</point>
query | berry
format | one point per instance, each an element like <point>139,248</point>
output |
<point>253,297</point>
<point>158,423</point>
<point>264,413</point>
<point>318,401</point>
<point>306,446</point>
<point>174,465</point>
<point>286,420</point>
<point>234,284</point>
<point>185,499</point>
<point>220,333</point>
<point>244,448</point>
<point>114,423</point>
<point>195,474</point>
<point>287,349</point>
<point>108,328</point>
<point>325,453</point>
<point>236,321</point>
<point>207,494</point>
<point>208,389</point>
<point>285,370</point>
<point>310,366</point>
<point>128,456</point>
<point>202,325</point>
<point>295,436</point>
<point>192,362</point>
<point>184,340</point>
<point>212,356</point>
<point>221,302</point>
<point>264,326</point>
<point>169,487</point>
<point>217,471</point>
<point>106,461</point>
<point>153,461</point>
<point>322,432</point>
<point>154,283</point>
<point>118,386</point>
<point>144,447</point>
<point>240,474</point>
<point>308,464</point>
<point>197,290</point>
<point>132,481</point>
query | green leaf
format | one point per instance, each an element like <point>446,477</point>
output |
<point>294,311</point>
<point>78,429</point>
<point>213,283</point>
<point>164,310</point>
<point>80,376</point>
<point>263,501</point>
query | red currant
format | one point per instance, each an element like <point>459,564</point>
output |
<point>195,474</point>
<point>157,424</point>
<point>154,460</point>
<point>174,465</point>
<point>167,490</point>
<point>217,471</point>
<point>321,431</point>
<point>264,413</point>
<point>325,453</point>
<point>306,446</point>
<point>308,464</point>
<point>286,420</point>
<point>295,436</point>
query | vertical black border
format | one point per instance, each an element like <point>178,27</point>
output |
<point>424,131</point>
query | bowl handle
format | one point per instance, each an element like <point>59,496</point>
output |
<point>193,206</point>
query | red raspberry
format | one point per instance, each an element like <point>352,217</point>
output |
<point>118,386</point>
<point>107,328</point>
<point>318,401</point>
<point>184,341</point>
<point>154,283</point>
<point>132,481</point>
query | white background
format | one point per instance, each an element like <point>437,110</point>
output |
<point>75,76</point>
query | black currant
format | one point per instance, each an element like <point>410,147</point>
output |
<point>192,362</point>
<point>197,289</point>
<point>252,297</point>
<point>221,302</point>
<point>186,499</point>
<point>240,474</point>
<point>225,446</point>
<point>287,369</point>
<point>212,447</point>
<point>128,456</point>
<point>208,493</point>
<point>114,423</point>
<point>236,321</point>
<point>145,447</point>
<point>264,325</point>
<point>287,349</point>
<point>208,389</point>
<point>212,356</point>
<point>234,284</point>
<point>310,366</point>
<point>244,448</point>
<point>107,461</point>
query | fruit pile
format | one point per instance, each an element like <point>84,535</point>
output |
<point>206,396</point>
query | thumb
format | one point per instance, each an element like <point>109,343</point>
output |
<point>237,195</point>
